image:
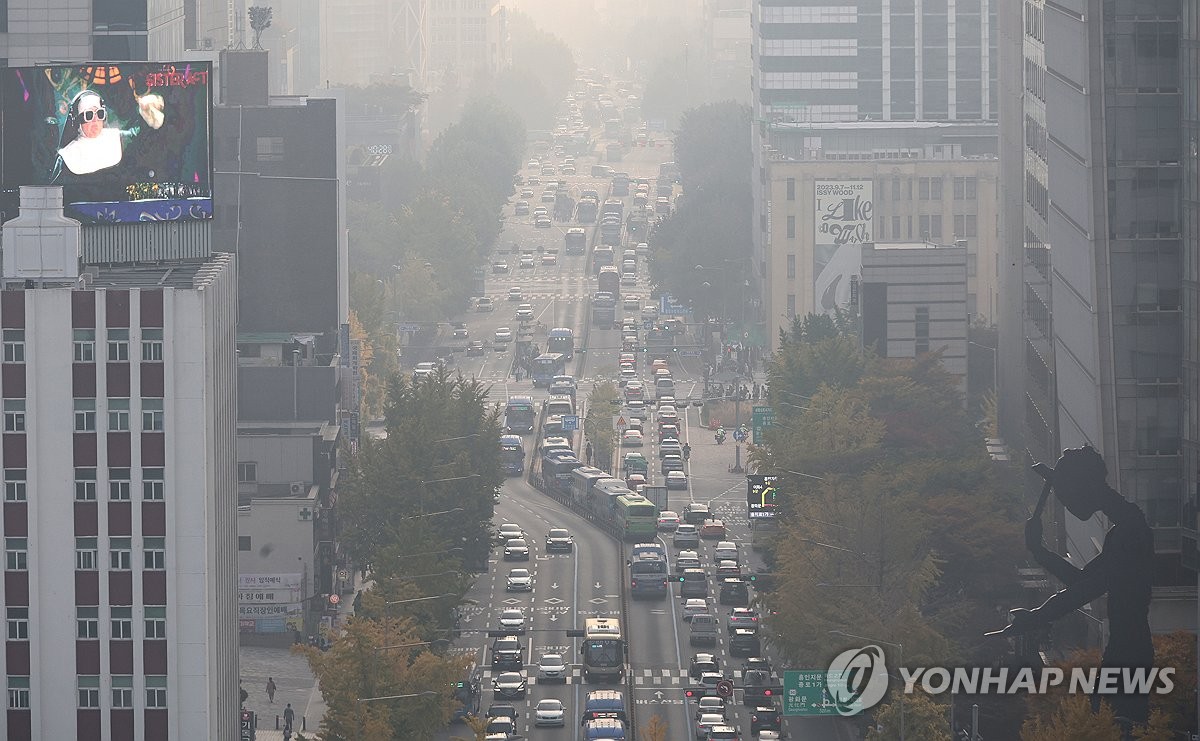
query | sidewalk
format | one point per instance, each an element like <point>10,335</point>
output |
<point>294,683</point>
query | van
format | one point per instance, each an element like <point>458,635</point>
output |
<point>703,630</point>
<point>664,386</point>
<point>560,405</point>
<point>603,704</point>
<point>693,583</point>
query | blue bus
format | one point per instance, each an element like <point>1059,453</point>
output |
<point>519,416</point>
<point>561,340</point>
<point>512,454</point>
<point>609,281</point>
<point>548,365</point>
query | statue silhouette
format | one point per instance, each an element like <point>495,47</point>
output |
<point>1121,570</point>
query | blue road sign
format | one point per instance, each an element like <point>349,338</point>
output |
<point>667,306</point>
<point>690,353</point>
<point>570,422</point>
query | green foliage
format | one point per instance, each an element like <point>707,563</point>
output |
<point>924,718</point>
<point>543,68</point>
<point>712,147</point>
<point>598,424</point>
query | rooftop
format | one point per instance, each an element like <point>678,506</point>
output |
<point>180,274</point>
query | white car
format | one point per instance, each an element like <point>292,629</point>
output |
<point>516,549</point>
<point>508,531</point>
<point>629,280</point>
<point>504,335</point>
<point>632,439</point>
<point>694,607</point>
<point>552,668</point>
<point>631,303</point>
<point>668,520</point>
<point>726,551</point>
<point>513,621</point>
<point>677,480</point>
<point>424,369</point>
<point>519,580</point>
<point>524,312</point>
<point>649,311</point>
<point>705,721</point>
<point>710,704</point>
<point>687,560</point>
<point>515,294</point>
<point>549,712</point>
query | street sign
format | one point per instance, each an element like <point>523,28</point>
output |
<point>668,306</point>
<point>725,688</point>
<point>690,353</point>
<point>761,418</point>
<point>570,422</point>
<point>805,693</point>
<point>762,495</point>
<point>246,722</point>
<point>408,327</point>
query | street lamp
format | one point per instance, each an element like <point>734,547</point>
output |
<point>899,660</point>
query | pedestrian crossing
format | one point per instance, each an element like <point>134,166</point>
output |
<point>641,677</point>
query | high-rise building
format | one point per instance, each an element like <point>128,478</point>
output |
<point>1108,237</point>
<point>33,33</point>
<point>1190,284</point>
<point>119,489</point>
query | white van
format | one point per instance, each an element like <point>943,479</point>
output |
<point>664,386</point>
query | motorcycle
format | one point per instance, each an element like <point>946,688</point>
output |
<point>720,436</point>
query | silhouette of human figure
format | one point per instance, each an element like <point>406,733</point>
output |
<point>1121,570</point>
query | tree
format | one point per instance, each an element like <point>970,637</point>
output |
<point>598,424</point>
<point>924,718</point>
<point>359,665</point>
<point>1073,721</point>
<point>712,147</point>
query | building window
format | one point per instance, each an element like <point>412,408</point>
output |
<point>89,691</point>
<point>14,485</point>
<point>156,692</point>
<point>155,554</point>
<point>923,225</point>
<point>154,486</point>
<point>972,226</point>
<point>152,345</point>
<point>118,345</point>
<point>964,189</point>
<point>791,267</point>
<point>270,149</point>
<point>243,542</point>
<point>87,622</point>
<point>18,623</point>
<point>118,484</point>
<point>791,227</point>
<point>921,329</point>
<point>85,484</point>
<point>16,554</point>
<point>120,554</point>
<point>122,622</point>
<point>247,472</point>
<point>156,622</point>
<point>935,226</point>
<point>85,345</point>
<point>895,227</point>
<point>85,415</point>
<point>935,189</point>
<point>122,691</point>
<point>895,188</point>
<point>14,346</point>
<point>791,306</point>
<point>791,189</point>
<point>14,415</point>
<point>18,692</point>
<point>923,189</point>
<point>152,415</point>
<point>85,554</point>
<point>118,415</point>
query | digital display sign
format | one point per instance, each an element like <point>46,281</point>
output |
<point>127,141</point>
<point>761,495</point>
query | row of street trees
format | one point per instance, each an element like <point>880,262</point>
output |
<point>896,526</point>
<point>417,508</point>
<point>540,76</point>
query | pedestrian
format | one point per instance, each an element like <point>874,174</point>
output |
<point>271,690</point>
<point>289,715</point>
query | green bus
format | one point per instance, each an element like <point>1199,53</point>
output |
<point>636,516</point>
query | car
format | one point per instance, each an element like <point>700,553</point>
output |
<point>627,374</point>
<point>712,529</point>
<point>765,718</point>
<point>728,568</point>
<point>421,370</point>
<point>526,262</point>
<point>485,304</point>
<point>543,222</point>
<point>510,530</point>
<point>708,683</point>
<point>696,513</point>
<point>516,294</point>
<point>686,536</point>
<point>509,685</point>
<point>507,653</point>
<point>677,480</point>
<point>531,182</point>
<point>743,617</point>
<point>705,721</point>
<point>524,313</point>
<point>744,642</point>
<point>527,193</point>
<point>671,462</point>
<point>504,335</point>
<point>540,211</point>
<point>733,591</point>
<point>703,663</point>
<point>668,520</point>
<point>548,170</point>
<point>521,208</point>
<point>512,621</point>
<point>635,481</point>
<point>559,539</point>
<point>727,551</point>
<point>629,280</point>
<point>636,409</point>
<point>631,303</point>
<point>501,727</point>
<point>631,439</point>
<point>668,432</point>
<point>667,415</point>
<point>533,164</point>
<point>459,332</point>
<point>500,267</point>
<point>710,704</point>
<point>549,712</point>
<point>519,580</point>
<point>552,668</point>
<point>649,311</point>
<point>516,549</point>
<point>670,447</point>
<point>687,559</point>
<point>549,258</point>
<point>475,347</point>
<point>723,733</point>
<point>566,169</point>
<point>547,196</point>
<point>757,686</point>
<point>694,607</point>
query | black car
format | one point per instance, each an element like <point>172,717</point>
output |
<point>766,718</point>
<point>744,642</point>
<point>508,653</point>
<point>476,347</point>
<point>734,592</point>
<point>757,684</point>
<point>558,539</point>
<point>703,663</point>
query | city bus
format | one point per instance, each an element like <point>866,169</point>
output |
<point>548,365</point>
<point>609,281</point>
<point>519,415</point>
<point>604,309</point>
<point>603,650</point>
<point>561,340</point>
<point>512,454</point>
<point>575,241</point>
<point>636,516</point>
<point>602,254</point>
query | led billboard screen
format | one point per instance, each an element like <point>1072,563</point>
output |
<point>127,141</point>
<point>761,495</point>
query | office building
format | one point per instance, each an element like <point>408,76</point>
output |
<point>119,451</point>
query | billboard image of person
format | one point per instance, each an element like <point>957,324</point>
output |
<point>127,142</point>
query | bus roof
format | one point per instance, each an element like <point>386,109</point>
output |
<point>548,357</point>
<point>562,332</point>
<point>602,628</point>
<point>520,399</point>
<point>509,439</point>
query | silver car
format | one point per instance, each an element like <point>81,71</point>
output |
<point>552,668</point>
<point>549,712</point>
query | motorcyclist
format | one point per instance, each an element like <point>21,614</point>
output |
<point>687,451</point>
<point>720,435</point>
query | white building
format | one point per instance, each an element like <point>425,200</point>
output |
<point>119,457</point>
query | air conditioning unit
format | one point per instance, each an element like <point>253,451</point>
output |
<point>299,488</point>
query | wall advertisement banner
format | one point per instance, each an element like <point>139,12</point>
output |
<point>843,220</point>
<point>258,582</point>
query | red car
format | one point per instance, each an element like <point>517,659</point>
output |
<point>712,529</point>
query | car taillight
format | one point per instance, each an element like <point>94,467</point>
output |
<point>753,718</point>
<point>633,583</point>
<point>766,693</point>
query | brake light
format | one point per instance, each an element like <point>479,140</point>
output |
<point>633,583</point>
<point>766,693</point>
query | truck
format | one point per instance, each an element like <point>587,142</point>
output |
<point>564,206</point>
<point>638,224</point>
<point>604,309</point>
<point>587,210</point>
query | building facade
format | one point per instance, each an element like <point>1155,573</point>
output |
<point>32,33</point>
<point>813,252</point>
<point>120,491</point>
